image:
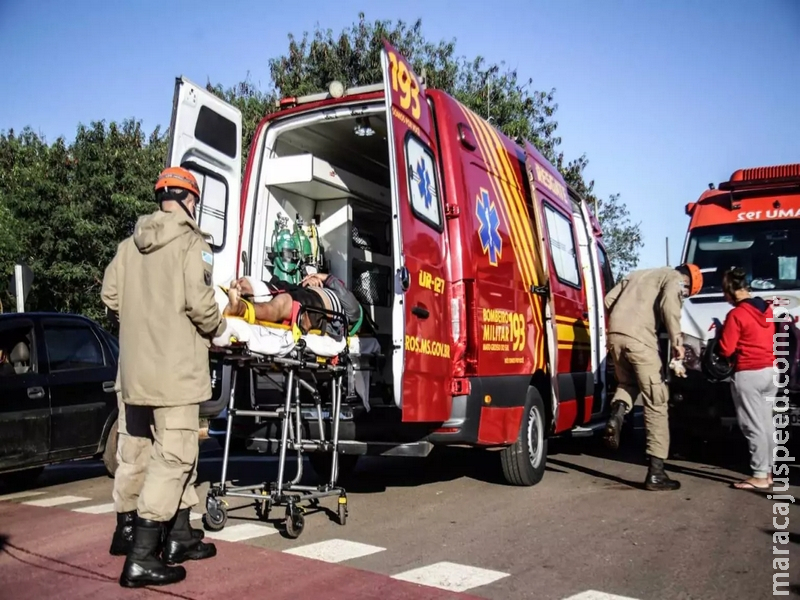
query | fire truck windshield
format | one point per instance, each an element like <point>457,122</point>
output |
<point>767,250</point>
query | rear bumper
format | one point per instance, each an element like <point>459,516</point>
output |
<point>489,415</point>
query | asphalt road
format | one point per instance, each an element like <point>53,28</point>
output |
<point>420,528</point>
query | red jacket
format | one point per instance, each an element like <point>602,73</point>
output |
<point>748,334</point>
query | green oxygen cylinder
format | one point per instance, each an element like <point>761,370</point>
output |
<point>286,253</point>
<point>302,242</point>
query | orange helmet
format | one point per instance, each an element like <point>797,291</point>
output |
<point>177,177</point>
<point>695,277</point>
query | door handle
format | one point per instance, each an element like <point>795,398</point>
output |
<point>35,393</point>
<point>420,312</point>
<point>108,386</point>
<point>405,278</point>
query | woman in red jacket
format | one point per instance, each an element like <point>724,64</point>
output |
<point>747,338</point>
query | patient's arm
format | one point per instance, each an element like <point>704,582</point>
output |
<point>276,310</point>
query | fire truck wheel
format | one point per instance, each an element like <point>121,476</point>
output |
<point>524,462</point>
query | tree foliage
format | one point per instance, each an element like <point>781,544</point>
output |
<point>72,204</point>
<point>65,207</point>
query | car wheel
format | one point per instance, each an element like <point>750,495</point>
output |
<point>110,452</point>
<point>524,462</point>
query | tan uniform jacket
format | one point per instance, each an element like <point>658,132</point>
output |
<point>644,302</point>
<point>160,285</point>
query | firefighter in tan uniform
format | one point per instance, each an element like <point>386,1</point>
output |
<point>160,287</point>
<point>640,305</point>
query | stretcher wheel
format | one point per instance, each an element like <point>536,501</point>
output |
<point>294,524</point>
<point>216,516</point>
<point>342,512</point>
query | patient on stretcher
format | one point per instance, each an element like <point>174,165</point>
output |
<point>318,290</point>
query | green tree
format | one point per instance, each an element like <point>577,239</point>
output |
<point>72,204</point>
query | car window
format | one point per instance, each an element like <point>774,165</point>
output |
<point>72,347</point>
<point>17,350</point>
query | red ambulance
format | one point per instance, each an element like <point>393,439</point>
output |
<point>483,272</point>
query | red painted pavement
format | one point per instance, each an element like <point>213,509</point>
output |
<point>54,553</point>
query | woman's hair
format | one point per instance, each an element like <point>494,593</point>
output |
<point>733,280</point>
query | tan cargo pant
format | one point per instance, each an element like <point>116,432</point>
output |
<point>157,452</point>
<point>638,369</point>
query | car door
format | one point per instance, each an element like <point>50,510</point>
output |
<point>206,138</point>
<point>81,377</point>
<point>24,397</point>
<point>420,325</point>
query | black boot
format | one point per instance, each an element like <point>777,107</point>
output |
<point>143,567</point>
<point>181,545</point>
<point>123,535</point>
<point>614,425</point>
<point>657,479</point>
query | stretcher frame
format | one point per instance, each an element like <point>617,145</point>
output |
<point>281,492</point>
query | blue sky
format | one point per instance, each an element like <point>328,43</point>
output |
<point>663,97</point>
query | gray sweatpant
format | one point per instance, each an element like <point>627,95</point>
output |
<point>753,392</point>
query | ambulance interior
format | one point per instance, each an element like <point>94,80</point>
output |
<point>333,174</point>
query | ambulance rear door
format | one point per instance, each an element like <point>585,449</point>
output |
<point>205,137</point>
<point>420,324</point>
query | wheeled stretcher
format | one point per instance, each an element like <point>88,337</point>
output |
<point>267,349</point>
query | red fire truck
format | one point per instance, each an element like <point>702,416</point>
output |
<point>751,221</point>
<point>482,271</point>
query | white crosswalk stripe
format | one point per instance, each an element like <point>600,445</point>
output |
<point>241,532</point>
<point>57,501</point>
<point>451,576</point>
<point>335,551</point>
<point>18,495</point>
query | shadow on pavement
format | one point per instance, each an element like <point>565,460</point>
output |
<point>47,563</point>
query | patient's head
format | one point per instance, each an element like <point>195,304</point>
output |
<point>243,285</point>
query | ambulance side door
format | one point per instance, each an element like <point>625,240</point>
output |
<point>206,138</point>
<point>421,333</point>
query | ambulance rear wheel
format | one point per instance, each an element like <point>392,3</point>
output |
<point>524,462</point>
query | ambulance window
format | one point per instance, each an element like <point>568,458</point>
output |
<point>213,204</point>
<point>605,268</point>
<point>562,247</point>
<point>423,188</point>
<point>215,130</point>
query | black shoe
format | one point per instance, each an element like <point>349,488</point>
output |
<point>657,480</point>
<point>143,567</point>
<point>614,426</point>
<point>181,545</point>
<point>122,541</point>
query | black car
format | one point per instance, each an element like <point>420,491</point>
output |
<point>57,399</point>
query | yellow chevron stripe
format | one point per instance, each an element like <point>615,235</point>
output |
<point>521,218</point>
<point>573,322</point>
<point>492,161</point>
<point>569,333</point>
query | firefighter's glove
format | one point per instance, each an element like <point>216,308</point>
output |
<point>226,338</point>
<point>677,367</point>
